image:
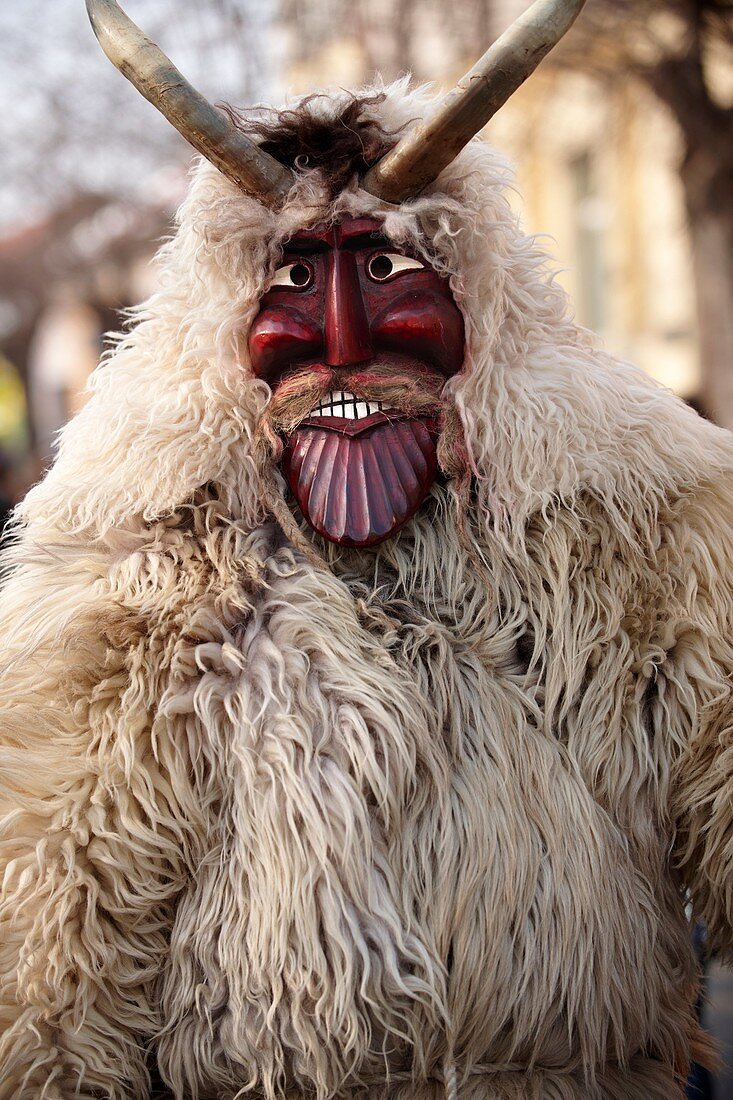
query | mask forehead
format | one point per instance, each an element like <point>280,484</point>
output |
<point>348,232</point>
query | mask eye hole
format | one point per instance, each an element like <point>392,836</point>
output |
<point>297,275</point>
<point>383,266</point>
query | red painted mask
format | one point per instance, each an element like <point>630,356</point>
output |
<point>366,335</point>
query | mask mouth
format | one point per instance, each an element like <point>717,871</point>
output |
<point>343,412</point>
<point>359,484</point>
<point>347,406</point>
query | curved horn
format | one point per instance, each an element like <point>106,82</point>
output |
<point>420,157</point>
<point>208,129</point>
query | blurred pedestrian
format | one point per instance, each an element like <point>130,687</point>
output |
<point>700,1082</point>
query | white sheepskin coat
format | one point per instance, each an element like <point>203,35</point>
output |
<point>414,820</point>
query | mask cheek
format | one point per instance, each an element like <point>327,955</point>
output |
<point>280,338</point>
<point>428,327</point>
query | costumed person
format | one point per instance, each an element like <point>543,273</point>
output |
<point>366,652</point>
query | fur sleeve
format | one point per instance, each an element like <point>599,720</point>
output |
<point>87,868</point>
<point>695,701</point>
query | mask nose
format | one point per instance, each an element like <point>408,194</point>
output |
<point>347,336</point>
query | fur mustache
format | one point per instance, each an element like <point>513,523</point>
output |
<point>415,393</point>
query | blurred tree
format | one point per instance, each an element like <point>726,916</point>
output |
<point>90,170</point>
<point>424,37</point>
<point>71,123</point>
<point>683,51</point>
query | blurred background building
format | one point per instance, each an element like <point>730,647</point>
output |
<point>622,142</point>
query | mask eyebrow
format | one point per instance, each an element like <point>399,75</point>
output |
<point>304,245</point>
<point>368,240</point>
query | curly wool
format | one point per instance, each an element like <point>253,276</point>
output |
<point>300,823</point>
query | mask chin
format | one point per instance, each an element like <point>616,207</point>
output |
<point>358,490</point>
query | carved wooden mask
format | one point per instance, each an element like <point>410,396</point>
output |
<point>380,331</point>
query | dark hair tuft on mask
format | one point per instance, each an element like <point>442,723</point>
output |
<point>341,146</point>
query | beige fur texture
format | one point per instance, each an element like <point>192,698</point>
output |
<point>379,823</point>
